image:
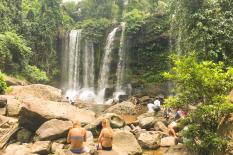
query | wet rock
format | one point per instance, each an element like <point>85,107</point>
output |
<point>123,108</point>
<point>147,122</point>
<point>53,129</point>
<point>125,141</point>
<point>38,90</point>
<point>37,111</point>
<point>149,140</point>
<point>24,136</point>
<point>160,125</point>
<point>115,121</point>
<point>41,147</point>
<point>168,141</point>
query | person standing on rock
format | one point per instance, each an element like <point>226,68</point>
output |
<point>77,137</point>
<point>154,107</point>
<point>106,136</point>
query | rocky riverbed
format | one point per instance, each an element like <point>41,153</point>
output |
<point>35,120</point>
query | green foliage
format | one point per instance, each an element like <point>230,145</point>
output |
<point>94,29</point>
<point>135,20</point>
<point>207,85</point>
<point>14,52</point>
<point>35,75</point>
<point>3,85</point>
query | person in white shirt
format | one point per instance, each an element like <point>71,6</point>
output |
<point>154,107</point>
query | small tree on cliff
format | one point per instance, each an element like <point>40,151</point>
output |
<point>205,84</point>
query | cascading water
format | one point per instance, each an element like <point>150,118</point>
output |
<point>121,63</point>
<point>105,69</point>
<point>88,65</point>
<point>72,60</point>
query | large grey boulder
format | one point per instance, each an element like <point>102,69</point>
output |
<point>160,125</point>
<point>37,111</point>
<point>124,141</point>
<point>53,129</point>
<point>116,121</point>
<point>41,147</point>
<point>149,140</point>
<point>123,108</point>
<point>13,107</point>
<point>147,122</point>
<point>45,92</point>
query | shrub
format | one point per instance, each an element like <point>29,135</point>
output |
<point>34,74</point>
<point>3,85</point>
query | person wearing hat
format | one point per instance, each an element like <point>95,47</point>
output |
<point>154,107</point>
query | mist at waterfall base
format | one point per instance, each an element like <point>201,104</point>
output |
<point>78,78</point>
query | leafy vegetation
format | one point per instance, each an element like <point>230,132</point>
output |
<point>3,85</point>
<point>205,84</point>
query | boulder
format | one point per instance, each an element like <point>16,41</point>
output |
<point>41,147</point>
<point>168,141</point>
<point>13,107</point>
<point>160,125</point>
<point>3,102</point>
<point>11,81</point>
<point>24,135</point>
<point>53,129</point>
<point>125,142</point>
<point>147,122</point>
<point>123,108</point>
<point>38,90</point>
<point>56,147</point>
<point>16,149</point>
<point>116,121</point>
<point>177,150</point>
<point>149,140</point>
<point>3,111</point>
<point>37,111</point>
<point>145,98</point>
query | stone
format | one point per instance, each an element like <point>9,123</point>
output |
<point>168,141</point>
<point>37,90</point>
<point>41,147</point>
<point>3,102</point>
<point>127,128</point>
<point>56,147</point>
<point>37,111</point>
<point>13,106</point>
<point>161,126</point>
<point>116,121</point>
<point>53,129</point>
<point>16,149</point>
<point>145,98</point>
<point>147,123</point>
<point>24,135</point>
<point>3,111</point>
<point>11,81</point>
<point>123,108</point>
<point>149,140</point>
<point>125,142</point>
<point>177,150</point>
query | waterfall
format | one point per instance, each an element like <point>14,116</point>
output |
<point>88,65</point>
<point>105,69</point>
<point>121,63</point>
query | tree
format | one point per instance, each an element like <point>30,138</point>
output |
<point>205,84</point>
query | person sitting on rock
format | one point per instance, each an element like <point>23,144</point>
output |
<point>154,107</point>
<point>77,137</point>
<point>106,136</point>
<point>180,114</point>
